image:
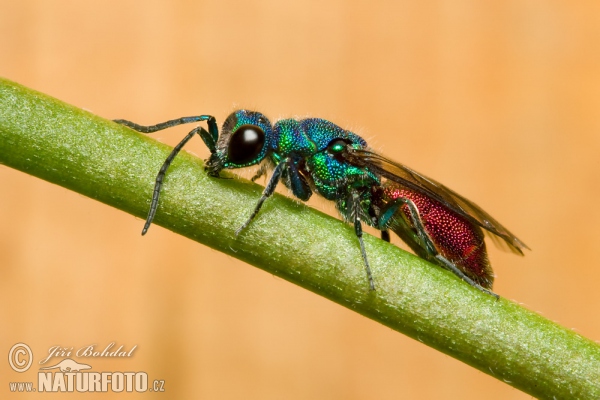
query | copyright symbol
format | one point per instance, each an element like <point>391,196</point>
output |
<point>20,357</point>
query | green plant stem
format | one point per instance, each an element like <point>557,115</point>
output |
<point>107,162</point>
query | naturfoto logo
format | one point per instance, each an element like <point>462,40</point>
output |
<point>69,375</point>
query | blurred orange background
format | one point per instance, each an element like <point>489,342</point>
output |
<point>499,100</point>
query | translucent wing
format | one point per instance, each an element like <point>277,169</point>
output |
<point>405,176</point>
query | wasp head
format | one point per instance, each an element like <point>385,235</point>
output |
<point>244,141</point>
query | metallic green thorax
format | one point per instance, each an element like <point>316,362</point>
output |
<point>309,139</point>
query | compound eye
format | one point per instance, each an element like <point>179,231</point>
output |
<point>246,144</point>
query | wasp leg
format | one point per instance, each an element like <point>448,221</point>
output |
<point>161,175</point>
<point>450,266</point>
<point>389,218</point>
<point>209,138</point>
<point>426,242</point>
<point>385,235</point>
<point>269,189</point>
<point>355,213</point>
<point>262,170</point>
<point>296,182</point>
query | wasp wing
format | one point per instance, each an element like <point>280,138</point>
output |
<point>411,179</point>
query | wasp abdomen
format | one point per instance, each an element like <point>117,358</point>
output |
<point>456,239</point>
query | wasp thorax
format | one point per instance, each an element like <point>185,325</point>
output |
<point>245,144</point>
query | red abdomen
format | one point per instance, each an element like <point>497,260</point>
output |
<point>454,237</point>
